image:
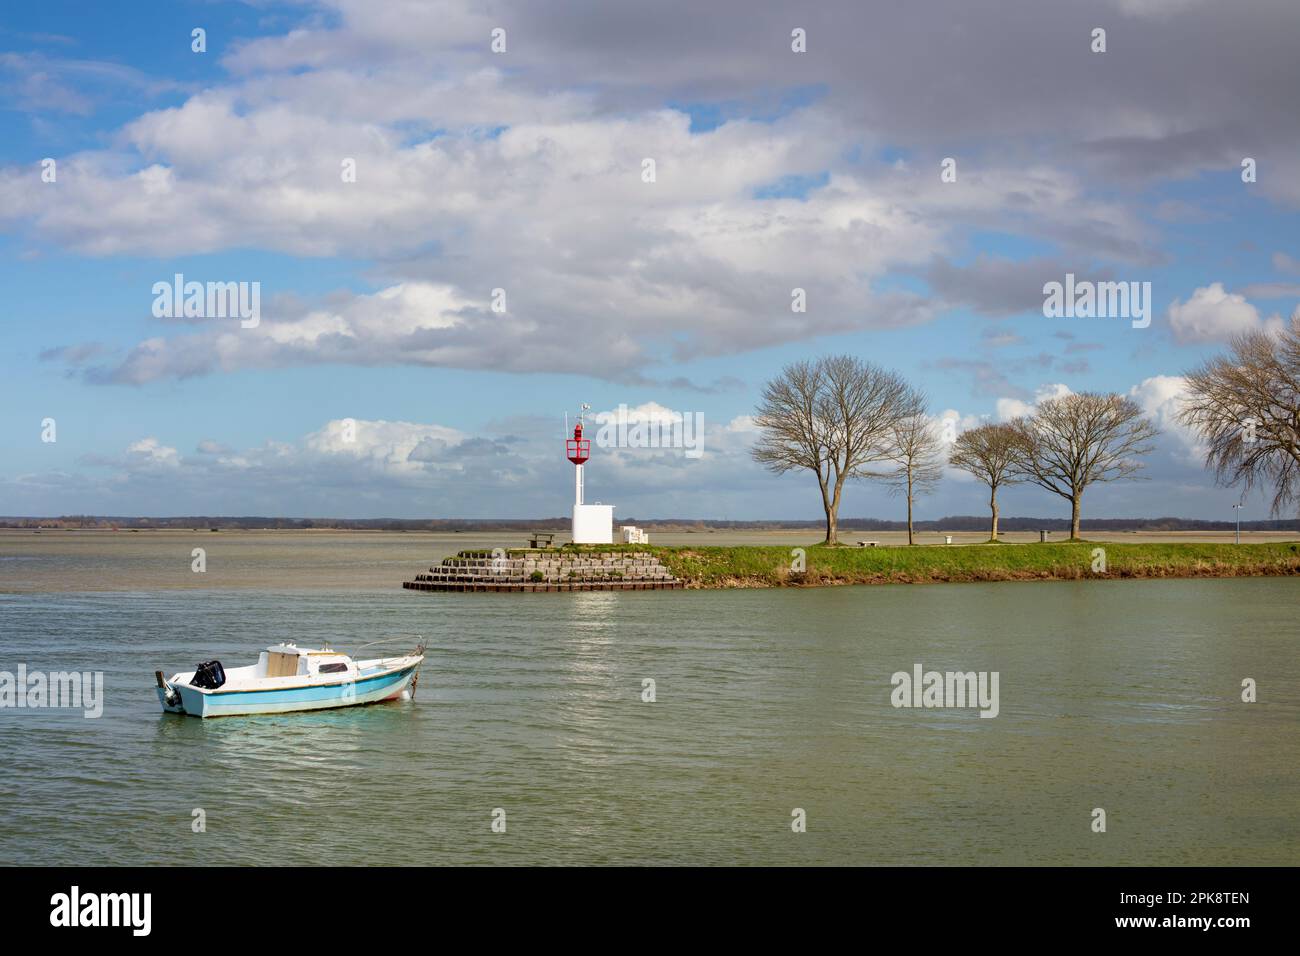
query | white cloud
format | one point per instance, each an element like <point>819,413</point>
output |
<point>470,177</point>
<point>555,214</point>
<point>402,467</point>
<point>398,323</point>
<point>1009,408</point>
<point>1161,398</point>
<point>1213,314</point>
<point>960,423</point>
<point>516,468</point>
<point>645,412</point>
<point>149,453</point>
<point>399,450</point>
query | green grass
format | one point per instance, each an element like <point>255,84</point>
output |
<point>715,567</point>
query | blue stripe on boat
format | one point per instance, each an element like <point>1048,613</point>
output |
<point>295,695</point>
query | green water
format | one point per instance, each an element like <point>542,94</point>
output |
<point>1119,695</point>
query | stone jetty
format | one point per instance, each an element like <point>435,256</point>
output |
<point>546,570</point>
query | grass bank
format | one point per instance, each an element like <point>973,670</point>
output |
<point>759,567</point>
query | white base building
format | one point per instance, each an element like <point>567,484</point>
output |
<point>593,524</point>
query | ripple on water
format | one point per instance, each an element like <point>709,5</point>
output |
<point>1123,695</point>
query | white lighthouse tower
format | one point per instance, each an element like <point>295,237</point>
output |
<point>592,524</point>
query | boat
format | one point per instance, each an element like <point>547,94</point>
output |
<point>289,678</point>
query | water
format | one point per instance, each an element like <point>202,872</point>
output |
<point>1121,695</point>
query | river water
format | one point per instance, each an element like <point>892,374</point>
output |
<point>1119,695</point>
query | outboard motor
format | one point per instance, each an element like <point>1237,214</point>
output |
<point>209,675</point>
<point>171,696</point>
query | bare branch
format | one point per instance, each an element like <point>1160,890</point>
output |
<point>1074,441</point>
<point>917,449</point>
<point>988,453</point>
<point>1246,406</point>
<point>833,417</point>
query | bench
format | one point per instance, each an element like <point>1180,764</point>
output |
<point>541,539</point>
<point>867,544</point>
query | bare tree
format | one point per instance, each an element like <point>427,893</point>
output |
<point>1246,406</point>
<point>1074,441</point>
<point>988,453</point>
<point>833,417</point>
<point>916,447</point>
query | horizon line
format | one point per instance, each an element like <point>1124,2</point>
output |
<point>978,521</point>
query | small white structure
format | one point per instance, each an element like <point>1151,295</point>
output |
<point>634,535</point>
<point>592,524</point>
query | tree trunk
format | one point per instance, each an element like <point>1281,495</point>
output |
<point>830,509</point>
<point>833,512</point>
<point>1074,518</point>
<point>993,503</point>
<point>909,505</point>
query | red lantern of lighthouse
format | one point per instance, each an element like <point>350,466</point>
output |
<point>578,448</point>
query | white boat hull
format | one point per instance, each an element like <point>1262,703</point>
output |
<point>388,684</point>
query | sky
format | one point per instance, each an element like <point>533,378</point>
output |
<point>446,212</point>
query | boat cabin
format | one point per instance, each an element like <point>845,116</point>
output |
<point>289,660</point>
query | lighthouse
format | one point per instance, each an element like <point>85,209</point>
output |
<point>592,524</point>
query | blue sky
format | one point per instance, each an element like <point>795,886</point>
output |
<point>522,170</point>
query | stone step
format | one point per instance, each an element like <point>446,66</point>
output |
<point>478,570</point>
<point>546,586</point>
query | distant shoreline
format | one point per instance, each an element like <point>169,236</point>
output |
<point>443,543</point>
<point>349,562</point>
<point>955,524</point>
